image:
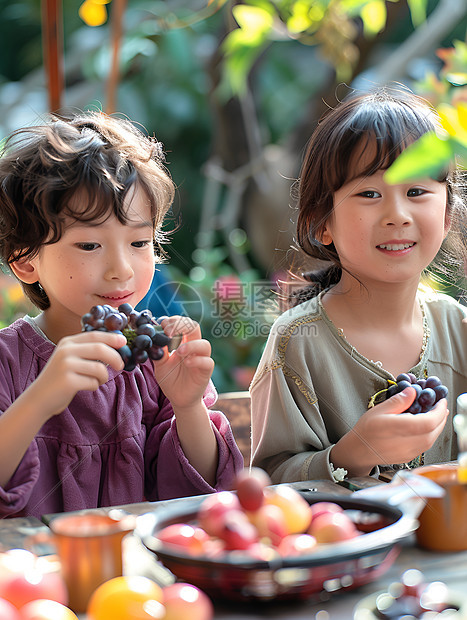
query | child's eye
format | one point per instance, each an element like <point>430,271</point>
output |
<point>141,244</point>
<point>415,191</point>
<point>370,193</point>
<point>87,247</point>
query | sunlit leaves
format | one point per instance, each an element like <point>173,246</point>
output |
<point>374,16</point>
<point>417,11</point>
<point>243,44</point>
<point>424,158</point>
<point>94,12</point>
<point>454,121</point>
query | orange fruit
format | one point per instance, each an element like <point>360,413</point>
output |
<point>126,598</point>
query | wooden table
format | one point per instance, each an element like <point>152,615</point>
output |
<point>450,568</point>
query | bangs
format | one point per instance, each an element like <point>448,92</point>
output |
<point>383,128</point>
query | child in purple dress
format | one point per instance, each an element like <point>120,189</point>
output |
<point>82,202</point>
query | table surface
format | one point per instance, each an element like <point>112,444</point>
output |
<point>451,568</point>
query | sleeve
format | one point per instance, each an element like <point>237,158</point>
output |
<point>289,436</point>
<point>16,494</point>
<point>169,473</point>
<point>14,497</point>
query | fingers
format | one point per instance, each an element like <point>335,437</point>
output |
<point>176,325</point>
<point>399,403</point>
<point>99,347</point>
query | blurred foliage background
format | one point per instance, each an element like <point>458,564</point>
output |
<point>233,89</point>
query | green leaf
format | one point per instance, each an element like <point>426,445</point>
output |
<point>424,158</point>
<point>374,16</point>
<point>253,21</point>
<point>417,11</point>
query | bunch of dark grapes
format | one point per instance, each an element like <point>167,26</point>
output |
<point>145,337</point>
<point>429,391</point>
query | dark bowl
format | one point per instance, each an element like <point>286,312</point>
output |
<point>331,567</point>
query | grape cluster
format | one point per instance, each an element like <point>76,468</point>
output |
<point>145,337</point>
<point>429,391</point>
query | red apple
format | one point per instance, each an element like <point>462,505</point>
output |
<point>8,611</point>
<point>187,537</point>
<point>43,609</point>
<point>213,508</point>
<point>329,527</point>
<point>182,601</point>
<point>250,485</point>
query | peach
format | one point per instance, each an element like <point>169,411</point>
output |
<point>297,544</point>
<point>270,523</point>
<point>187,537</point>
<point>213,508</point>
<point>183,600</point>
<point>237,531</point>
<point>296,509</point>
<point>320,507</point>
<point>329,527</point>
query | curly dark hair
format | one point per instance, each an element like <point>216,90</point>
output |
<point>91,155</point>
<point>388,119</point>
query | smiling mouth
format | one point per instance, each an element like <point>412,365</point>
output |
<point>395,246</point>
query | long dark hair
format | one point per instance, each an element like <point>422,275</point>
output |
<point>389,120</point>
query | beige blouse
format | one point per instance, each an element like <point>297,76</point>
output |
<point>311,386</point>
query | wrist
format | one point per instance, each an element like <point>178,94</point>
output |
<point>349,456</point>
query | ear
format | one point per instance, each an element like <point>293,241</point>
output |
<point>326,236</point>
<point>25,270</point>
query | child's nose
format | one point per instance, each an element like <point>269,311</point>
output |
<point>397,212</point>
<point>119,266</point>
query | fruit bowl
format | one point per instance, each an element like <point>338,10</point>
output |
<point>236,575</point>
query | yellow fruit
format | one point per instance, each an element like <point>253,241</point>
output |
<point>127,598</point>
<point>296,510</point>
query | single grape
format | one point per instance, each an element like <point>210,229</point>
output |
<point>147,329</point>
<point>441,391</point>
<point>140,356</point>
<point>422,383</point>
<point>144,317</point>
<point>433,382</point>
<point>415,407</point>
<point>427,399</point>
<point>412,377</point>
<point>125,308</point>
<point>160,339</point>
<point>392,390</point>
<point>87,319</point>
<point>403,377</point>
<point>403,384</point>
<point>114,322</point>
<point>125,353</point>
<point>156,353</point>
<point>142,342</point>
<point>98,312</point>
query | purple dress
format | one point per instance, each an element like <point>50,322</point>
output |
<point>114,446</point>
